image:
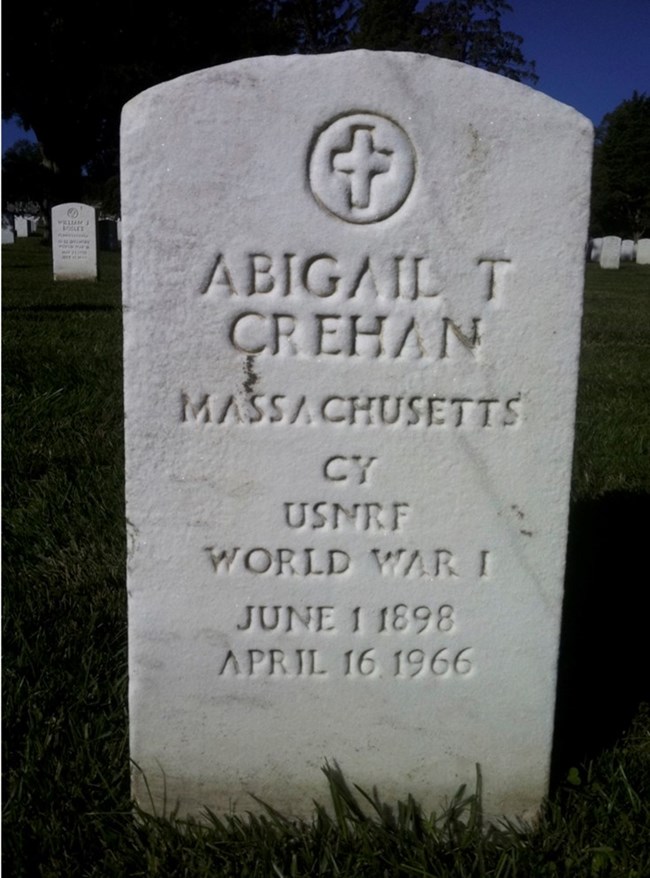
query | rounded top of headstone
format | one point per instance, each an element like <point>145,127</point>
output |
<point>353,66</point>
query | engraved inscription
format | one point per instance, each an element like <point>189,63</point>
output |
<point>280,618</point>
<point>439,412</point>
<point>361,167</point>
<point>370,662</point>
<point>369,336</point>
<point>401,618</point>
<point>73,238</point>
<point>271,626</point>
<point>279,562</point>
<point>374,661</point>
<point>409,623</point>
<point>369,517</point>
<point>495,272</point>
<point>418,619</point>
<point>272,663</point>
<point>348,469</point>
<point>444,662</point>
<point>407,562</point>
<point>382,276</point>
<point>272,327</point>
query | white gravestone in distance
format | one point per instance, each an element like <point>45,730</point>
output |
<point>594,250</point>
<point>74,242</point>
<point>21,226</point>
<point>643,251</point>
<point>610,253</point>
<point>8,233</point>
<point>349,401</point>
<point>628,250</point>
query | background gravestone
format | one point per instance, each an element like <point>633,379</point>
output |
<point>643,251</point>
<point>628,250</point>
<point>595,248</point>
<point>21,226</point>
<point>8,234</point>
<point>74,242</point>
<point>349,396</point>
<point>610,253</point>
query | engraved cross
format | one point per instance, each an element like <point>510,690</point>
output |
<point>361,162</point>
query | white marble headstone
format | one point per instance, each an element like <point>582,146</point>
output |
<point>21,226</point>
<point>349,400</point>
<point>628,250</point>
<point>610,253</point>
<point>643,251</point>
<point>8,233</point>
<point>74,242</point>
<point>596,245</point>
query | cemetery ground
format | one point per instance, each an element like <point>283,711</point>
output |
<point>67,810</point>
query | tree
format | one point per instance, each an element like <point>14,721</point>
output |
<point>314,26</point>
<point>67,75</point>
<point>620,201</point>
<point>26,181</point>
<point>391,25</point>
<point>470,31</point>
<point>463,30</point>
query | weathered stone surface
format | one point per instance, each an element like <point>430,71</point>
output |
<point>74,242</point>
<point>610,253</point>
<point>349,400</point>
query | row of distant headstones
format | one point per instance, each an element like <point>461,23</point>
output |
<point>18,227</point>
<point>609,252</point>
<point>109,231</point>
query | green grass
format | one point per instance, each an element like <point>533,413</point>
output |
<point>613,417</point>
<point>67,810</point>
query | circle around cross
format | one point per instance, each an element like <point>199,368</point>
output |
<point>361,167</point>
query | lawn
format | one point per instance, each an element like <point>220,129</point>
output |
<point>67,810</point>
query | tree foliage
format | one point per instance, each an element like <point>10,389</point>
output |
<point>66,75</point>
<point>621,171</point>
<point>387,25</point>
<point>314,26</point>
<point>462,30</point>
<point>26,180</point>
<point>470,31</point>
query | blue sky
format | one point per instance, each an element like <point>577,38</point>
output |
<point>590,54</point>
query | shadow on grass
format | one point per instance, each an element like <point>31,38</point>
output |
<point>603,667</point>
